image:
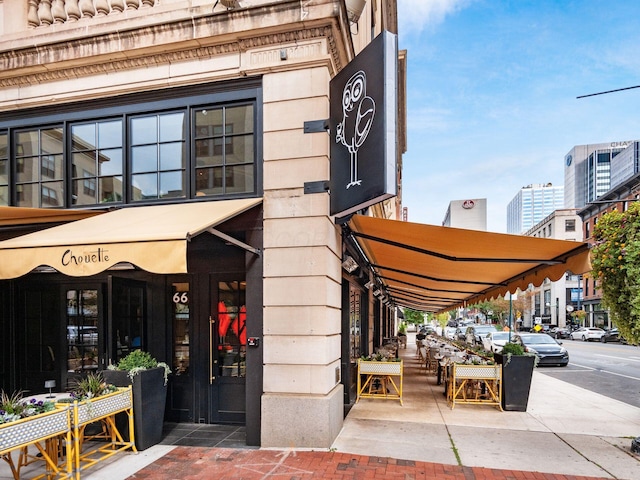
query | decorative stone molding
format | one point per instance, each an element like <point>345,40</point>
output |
<point>43,13</point>
<point>56,56</point>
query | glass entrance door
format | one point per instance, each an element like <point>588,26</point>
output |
<point>83,319</point>
<point>126,318</point>
<point>228,348</point>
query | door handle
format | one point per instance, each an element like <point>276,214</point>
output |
<point>211,361</point>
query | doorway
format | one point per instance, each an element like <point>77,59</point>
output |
<point>96,338</point>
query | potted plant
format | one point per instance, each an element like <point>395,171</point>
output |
<point>517,371</point>
<point>149,380</point>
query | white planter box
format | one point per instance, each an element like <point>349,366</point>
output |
<point>89,411</point>
<point>488,372</point>
<point>33,429</point>
<point>379,368</point>
<point>381,379</point>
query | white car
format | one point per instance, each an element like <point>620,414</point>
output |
<point>494,341</point>
<point>82,335</point>
<point>587,334</point>
<point>449,332</point>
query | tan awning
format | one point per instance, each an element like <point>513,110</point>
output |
<point>28,216</point>
<point>154,238</point>
<point>432,268</point>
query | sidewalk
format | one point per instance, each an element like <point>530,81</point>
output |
<point>567,433</point>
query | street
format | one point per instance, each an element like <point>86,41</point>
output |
<point>610,369</point>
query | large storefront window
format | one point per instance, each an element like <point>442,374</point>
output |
<point>186,146</point>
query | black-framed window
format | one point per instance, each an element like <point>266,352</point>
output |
<point>4,168</point>
<point>39,180</point>
<point>97,161</point>
<point>157,156</point>
<point>224,146</point>
<point>186,143</point>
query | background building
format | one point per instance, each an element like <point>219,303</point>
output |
<point>470,214</point>
<point>590,171</point>
<point>625,164</point>
<point>552,302</point>
<point>531,205</point>
<point>618,198</point>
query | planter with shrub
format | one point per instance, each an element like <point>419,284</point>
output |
<point>517,371</point>
<point>149,380</point>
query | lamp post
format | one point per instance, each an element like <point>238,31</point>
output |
<point>557,311</point>
<point>512,296</point>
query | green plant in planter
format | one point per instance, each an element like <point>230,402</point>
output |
<point>138,361</point>
<point>92,386</point>
<point>511,348</point>
<point>14,407</point>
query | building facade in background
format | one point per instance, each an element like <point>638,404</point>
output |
<point>531,205</point>
<point>618,198</point>
<point>553,302</point>
<point>592,170</point>
<point>144,106</point>
<point>626,164</point>
<point>470,214</point>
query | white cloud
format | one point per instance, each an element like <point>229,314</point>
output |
<point>416,15</point>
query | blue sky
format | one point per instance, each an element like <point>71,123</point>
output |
<point>492,87</point>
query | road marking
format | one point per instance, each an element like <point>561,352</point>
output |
<point>606,371</point>
<point>618,358</point>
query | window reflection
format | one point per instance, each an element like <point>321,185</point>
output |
<point>97,160</point>
<point>232,329</point>
<point>158,158</point>
<point>224,150</point>
<point>130,158</point>
<point>39,167</point>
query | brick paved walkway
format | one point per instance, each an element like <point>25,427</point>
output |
<point>230,464</point>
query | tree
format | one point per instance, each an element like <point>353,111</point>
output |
<point>498,307</point>
<point>413,316</point>
<point>443,319</point>
<point>615,260</point>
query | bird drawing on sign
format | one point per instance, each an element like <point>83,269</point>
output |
<point>358,111</point>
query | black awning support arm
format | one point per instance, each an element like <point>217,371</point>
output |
<point>234,241</point>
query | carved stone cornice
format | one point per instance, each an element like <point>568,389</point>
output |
<point>116,51</point>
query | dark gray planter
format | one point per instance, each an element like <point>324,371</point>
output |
<point>516,381</point>
<point>149,398</point>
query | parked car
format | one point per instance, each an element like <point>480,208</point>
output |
<point>426,329</point>
<point>587,334</point>
<point>82,334</point>
<point>559,332</point>
<point>460,334</point>
<point>611,335</point>
<point>475,333</point>
<point>548,350</point>
<point>450,332</point>
<point>494,341</point>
